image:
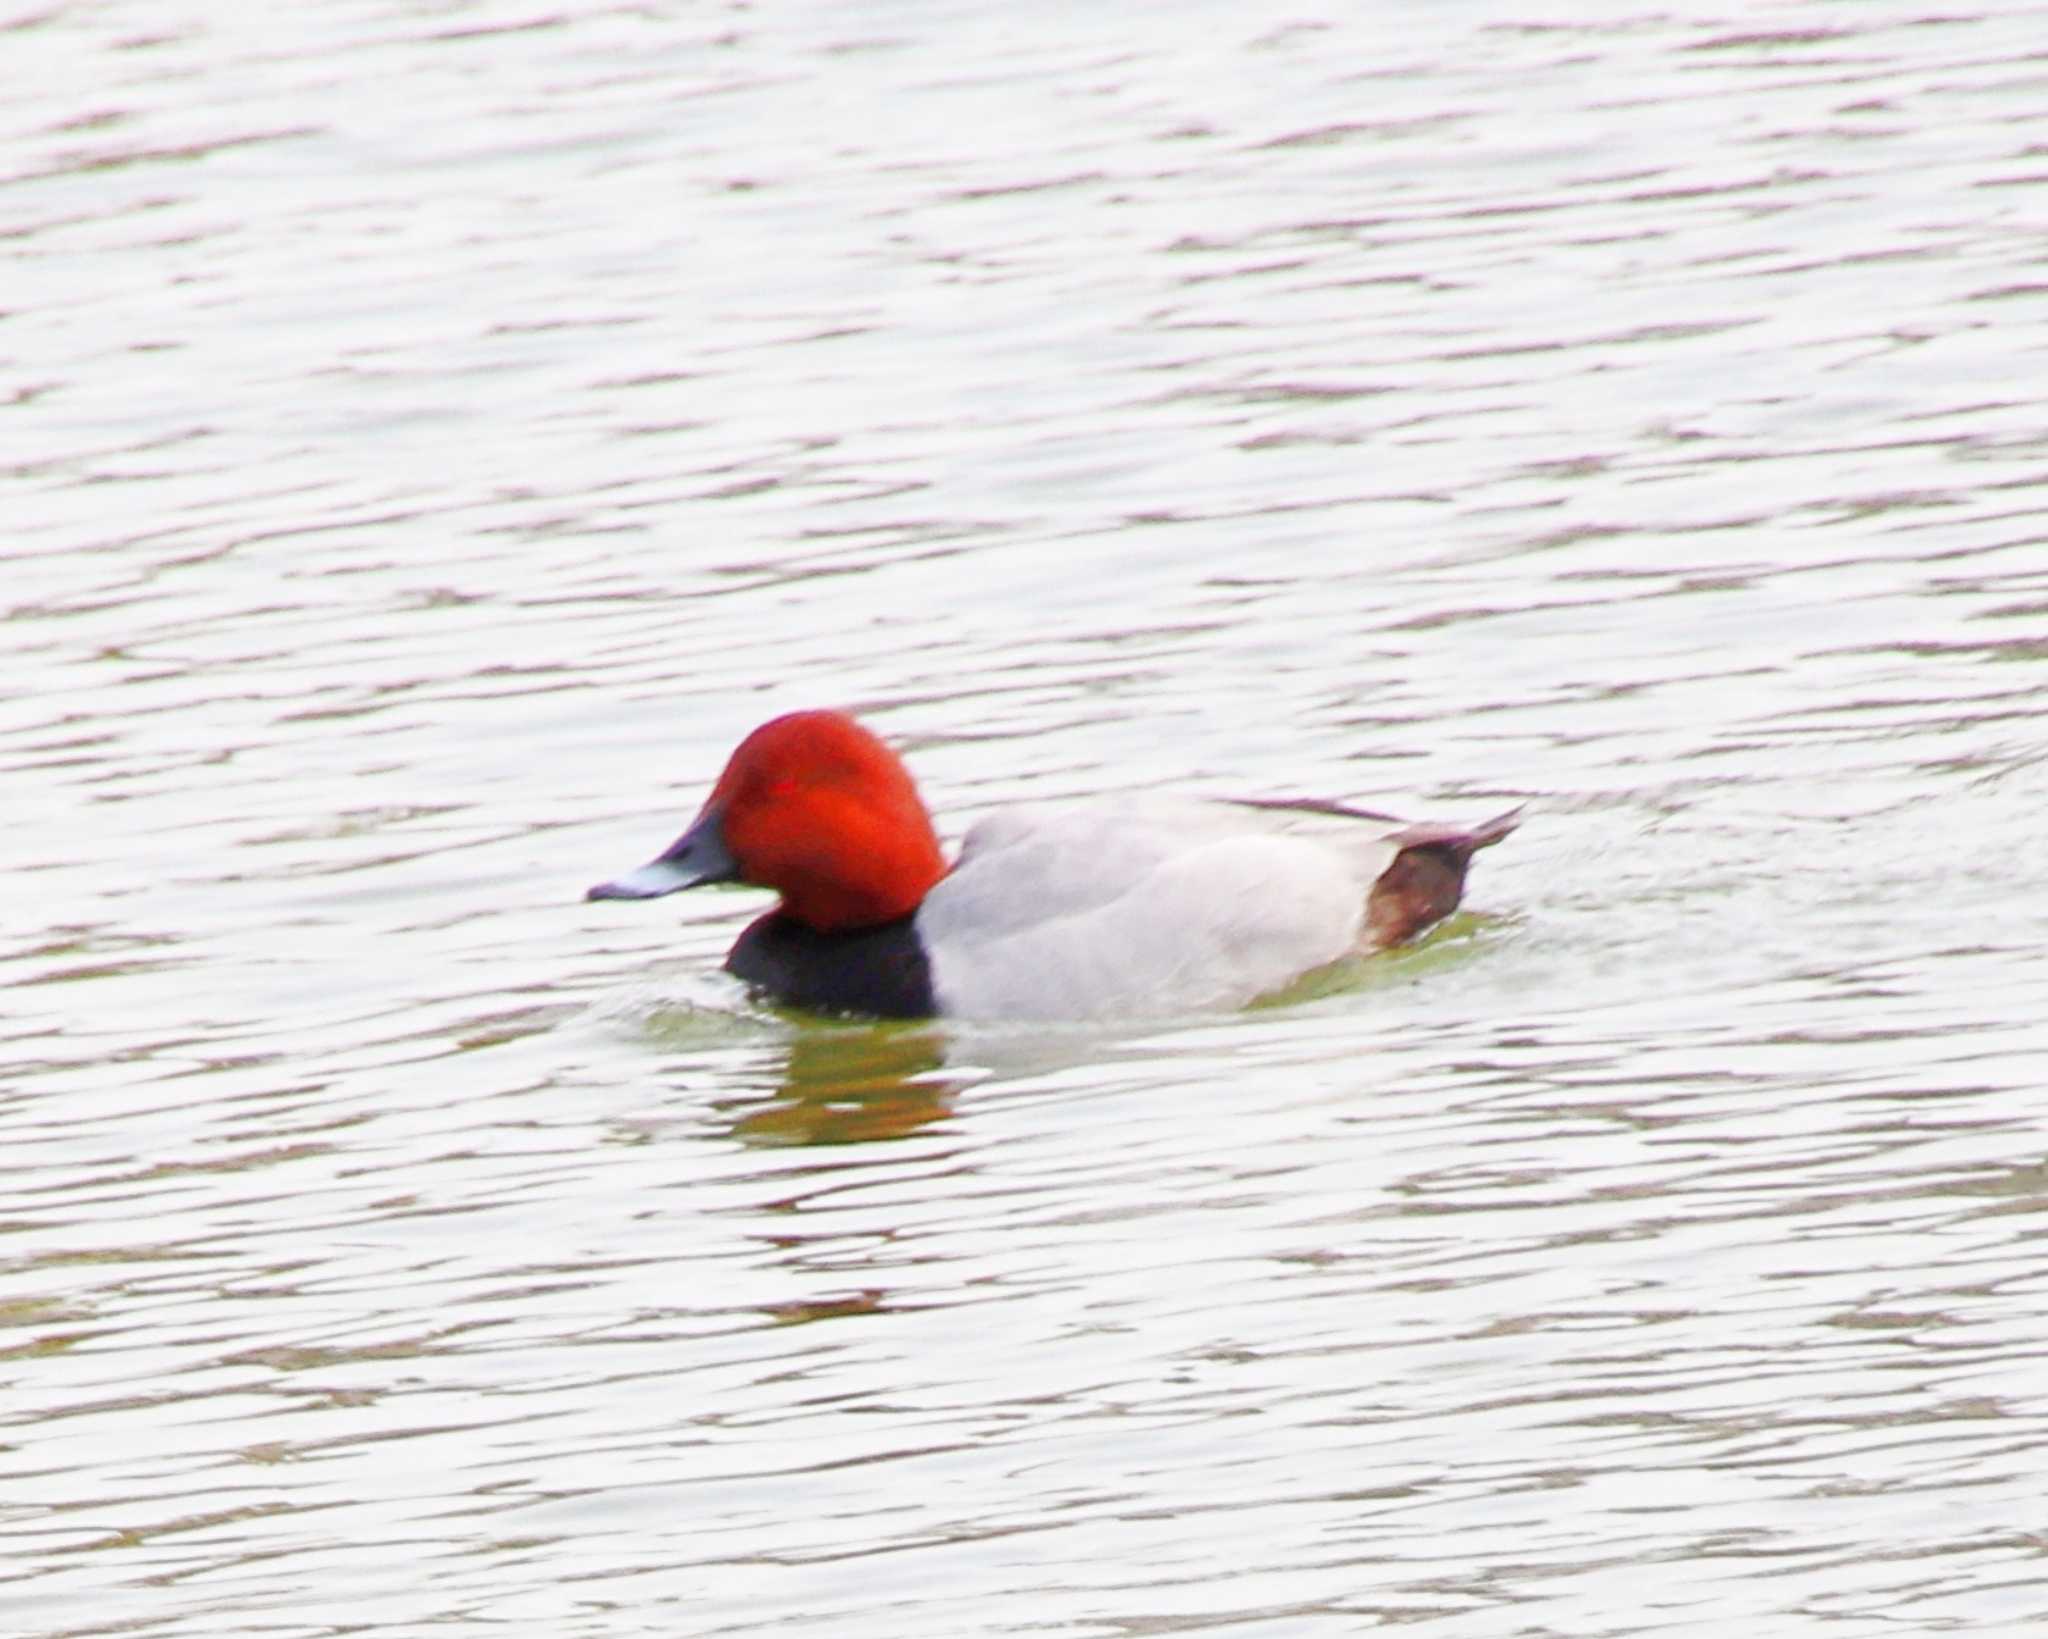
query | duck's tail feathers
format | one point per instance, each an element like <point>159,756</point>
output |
<point>1462,840</point>
<point>1427,878</point>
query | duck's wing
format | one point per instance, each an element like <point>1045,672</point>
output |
<point>1117,909</point>
<point>1029,864</point>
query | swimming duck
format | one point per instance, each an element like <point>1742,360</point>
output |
<point>1051,911</point>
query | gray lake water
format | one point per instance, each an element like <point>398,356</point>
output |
<point>432,434</point>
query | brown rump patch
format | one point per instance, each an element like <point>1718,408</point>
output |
<point>1427,878</point>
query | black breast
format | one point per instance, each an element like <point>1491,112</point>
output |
<point>881,971</point>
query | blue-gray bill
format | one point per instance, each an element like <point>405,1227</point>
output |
<point>696,857</point>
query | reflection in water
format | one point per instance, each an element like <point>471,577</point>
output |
<point>850,1084</point>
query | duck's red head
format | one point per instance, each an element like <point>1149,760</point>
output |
<point>817,808</point>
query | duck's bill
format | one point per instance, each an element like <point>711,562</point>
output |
<point>651,881</point>
<point>696,857</point>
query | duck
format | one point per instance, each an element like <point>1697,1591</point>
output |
<point>1051,911</point>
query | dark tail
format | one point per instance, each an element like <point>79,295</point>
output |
<point>1427,878</point>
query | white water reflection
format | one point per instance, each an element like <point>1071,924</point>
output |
<point>435,435</point>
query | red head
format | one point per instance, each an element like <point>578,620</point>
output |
<point>817,808</point>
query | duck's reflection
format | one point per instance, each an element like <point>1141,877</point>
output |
<point>849,1084</point>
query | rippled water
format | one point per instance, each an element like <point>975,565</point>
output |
<point>433,434</point>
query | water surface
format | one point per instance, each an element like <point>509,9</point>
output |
<point>434,435</point>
